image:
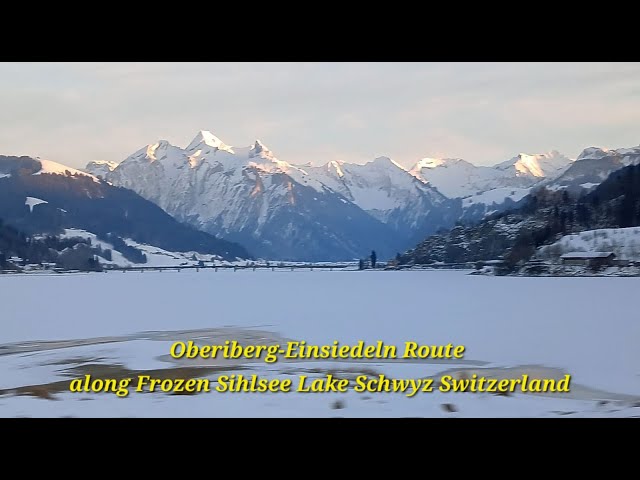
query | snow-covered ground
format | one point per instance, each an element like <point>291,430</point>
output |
<point>33,201</point>
<point>156,256</point>
<point>48,166</point>
<point>624,242</point>
<point>59,327</point>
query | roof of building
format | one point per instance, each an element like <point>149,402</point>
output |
<point>579,255</point>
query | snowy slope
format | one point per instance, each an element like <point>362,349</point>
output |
<point>156,256</point>
<point>496,196</point>
<point>10,165</point>
<point>33,201</point>
<point>116,257</point>
<point>624,242</point>
<point>455,177</point>
<point>55,168</point>
<point>378,187</point>
<point>388,192</point>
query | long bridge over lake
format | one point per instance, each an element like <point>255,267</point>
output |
<point>324,266</point>
<point>272,267</point>
<point>290,267</point>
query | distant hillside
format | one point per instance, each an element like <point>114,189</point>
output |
<point>544,217</point>
<point>623,242</point>
<point>18,249</point>
<point>43,197</point>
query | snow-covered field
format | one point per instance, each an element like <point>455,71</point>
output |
<point>59,327</point>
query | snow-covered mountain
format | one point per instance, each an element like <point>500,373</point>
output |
<point>484,189</point>
<point>454,177</point>
<point>379,187</point>
<point>593,166</point>
<point>246,194</point>
<point>385,190</point>
<point>154,256</point>
<point>459,178</point>
<point>555,220</point>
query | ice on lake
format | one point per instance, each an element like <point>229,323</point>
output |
<point>59,327</point>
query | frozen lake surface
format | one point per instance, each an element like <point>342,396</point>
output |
<point>56,328</point>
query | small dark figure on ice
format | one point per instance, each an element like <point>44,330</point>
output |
<point>373,259</point>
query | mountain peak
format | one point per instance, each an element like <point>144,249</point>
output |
<point>431,163</point>
<point>385,162</point>
<point>100,168</point>
<point>551,154</point>
<point>335,165</point>
<point>381,160</point>
<point>428,162</point>
<point>259,149</point>
<point>204,138</point>
<point>594,153</point>
<point>108,164</point>
<point>540,165</point>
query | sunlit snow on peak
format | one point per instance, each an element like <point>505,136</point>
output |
<point>206,138</point>
<point>529,164</point>
<point>428,163</point>
<point>336,166</point>
<point>385,162</point>
<point>56,168</point>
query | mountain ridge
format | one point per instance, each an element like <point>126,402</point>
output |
<point>249,195</point>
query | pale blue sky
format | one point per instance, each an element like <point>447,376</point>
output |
<point>482,112</point>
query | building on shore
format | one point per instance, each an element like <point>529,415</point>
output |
<point>589,259</point>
